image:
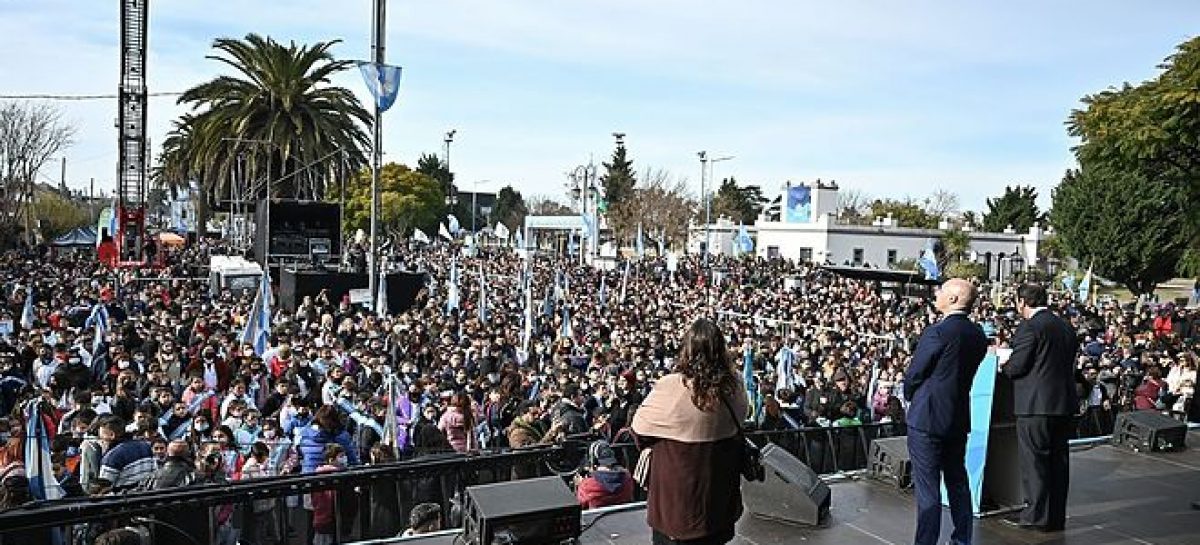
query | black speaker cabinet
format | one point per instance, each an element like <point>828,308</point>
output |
<point>1149,431</point>
<point>294,229</point>
<point>791,492</point>
<point>526,512</point>
<point>889,461</point>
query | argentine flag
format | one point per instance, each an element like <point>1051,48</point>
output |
<point>99,321</point>
<point>640,245</point>
<point>567,331</point>
<point>258,327</point>
<point>482,296</point>
<point>39,470</point>
<point>383,80</point>
<point>452,289</point>
<point>27,316</point>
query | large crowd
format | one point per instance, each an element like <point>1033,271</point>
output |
<point>173,394</point>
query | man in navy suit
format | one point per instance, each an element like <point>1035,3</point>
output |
<point>1042,368</point>
<point>938,385</point>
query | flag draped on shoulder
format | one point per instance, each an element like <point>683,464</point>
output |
<point>258,326</point>
<point>39,469</point>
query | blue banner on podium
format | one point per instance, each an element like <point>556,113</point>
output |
<point>982,392</point>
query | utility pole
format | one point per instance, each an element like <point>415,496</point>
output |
<point>378,34</point>
<point>704,199</point>
<point>62,181</point>
<point>92,200</point>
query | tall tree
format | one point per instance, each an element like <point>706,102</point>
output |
<point>57,214</point>
<point>433,166</point>
<point>662,204</point>
<point>1016,207</point>
<point>280,121</point>
<point>907,211</point>
<point>942,204</point>
<point>854,207</point>
<point>408,199</point>
<point>617,191</point>
<point>30,134</point>
<point>1134,230</point>
<point>510,208</point>
<point>742,204</point>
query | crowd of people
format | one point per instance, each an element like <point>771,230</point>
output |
<point>143,380</point>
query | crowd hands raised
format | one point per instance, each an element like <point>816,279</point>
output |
<point>169,395</point>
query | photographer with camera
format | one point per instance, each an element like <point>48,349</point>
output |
<point>602,482</point>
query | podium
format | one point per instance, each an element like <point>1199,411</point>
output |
<point>992,468</point>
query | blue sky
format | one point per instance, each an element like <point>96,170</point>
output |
<point>891,98</point>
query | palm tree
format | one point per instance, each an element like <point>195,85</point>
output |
<point>278,124</point>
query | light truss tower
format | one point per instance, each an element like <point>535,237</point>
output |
<point>131,132</point>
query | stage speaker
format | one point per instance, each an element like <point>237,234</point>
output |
<point>1149,431</point>
<point>286,228</point>
<point>791,492</point>
<point>525,512</point>
<point>889,461</point>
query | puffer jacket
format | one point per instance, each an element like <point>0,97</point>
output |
<point>312,447</point>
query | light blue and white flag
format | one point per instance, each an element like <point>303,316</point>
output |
<point>603,290</point>
<point>784,369</point>
<point>452,288</point>
<point>1085,286</point>
<point>452,222</point>
<point>928,262</point>
<point>39,469</point>
<point>589,226</point>
<point>520,239</point>
<point>744,243</point>
<point>567,330</point>
<point>572,246</point>
<point>420,236</point>
<point>27,316</point>
<point>258,326</point>
<point>624,282</point>
<point>98,320</point>
<point>381,298</point>
<point>383,80</point>
<point>748,378</point>
<point>482,311</point>
<point>640,245</point>
<point>662,241</point>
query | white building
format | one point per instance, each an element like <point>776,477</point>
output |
<point>804,226</point>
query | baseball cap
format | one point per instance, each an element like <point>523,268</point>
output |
<point>602,454</point>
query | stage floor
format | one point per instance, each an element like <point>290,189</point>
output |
<point>1117,496</point>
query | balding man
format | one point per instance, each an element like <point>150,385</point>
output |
<point>938,384</point>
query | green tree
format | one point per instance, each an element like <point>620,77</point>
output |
<point>56,215</point>
<point>433,166</point>
<point>407,199</point>
<point>280,121</point>
<point>1134,230</point>
<point>617,191</point>
<point>740,203</point>
<point>510,208</point>
<point>908,212</point>
<point>1016,207</point>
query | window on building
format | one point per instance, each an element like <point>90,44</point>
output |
<point>892,257</point>
<point>772,252</point>
<point>858,256</point>
<point>805,255</point>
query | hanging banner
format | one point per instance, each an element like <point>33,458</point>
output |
<point>799,204</point>
<point>983,389</point>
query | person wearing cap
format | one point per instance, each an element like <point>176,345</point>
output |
<point>425,518</point>
<point>604,481</point>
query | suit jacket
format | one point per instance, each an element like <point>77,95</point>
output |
<point>1042,367</point>
<point>938,381</point>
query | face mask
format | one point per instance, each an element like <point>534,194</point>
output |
<point>123,364</point>
<point>270,434</point>
<point>201,427</point>
<point>342,460</point>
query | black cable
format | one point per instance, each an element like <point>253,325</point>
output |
<point>177,529</point>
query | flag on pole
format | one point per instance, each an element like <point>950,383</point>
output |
<point>444,232</point>
<point>1085,286</point>
<point>748,377</point>
<point>640,245</point>
<point>567,330</point>
<point>603,290</point>
<point>390,426</point>
<point>452,222</point>
<point>27,317</point>
<point>589,226</point>
<point>98,320</point>
<point>452,288</point>
<point>420,236</point>
<point>383,80</point>
<point>744,243</point>
<point>528,325</point>
<point>482,296</point>
<point>662,241</point>
<point>258,326</point>
<point>382,299</point>
<point>501,231</point>
<point>520,239</point>
<point>928,262</point>
<point>624,281</point>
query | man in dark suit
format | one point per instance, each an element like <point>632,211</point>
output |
<point>1044,400</point>
<point>938,383</point>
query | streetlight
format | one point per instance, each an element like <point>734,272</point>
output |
<point>583,181</point>
<point>703,155</point>
<point>449,139</point>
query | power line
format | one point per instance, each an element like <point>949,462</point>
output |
<point>81,97</point>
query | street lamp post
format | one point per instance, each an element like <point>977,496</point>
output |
<point>449,139</point>
<point>378,35</point>
<point>704,199</point>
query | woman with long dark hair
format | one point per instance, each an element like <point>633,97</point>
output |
<point>688,422</point>
<point>458,423</point>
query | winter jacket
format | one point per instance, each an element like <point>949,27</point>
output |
<point>605,488</point>
<point>312,447</point>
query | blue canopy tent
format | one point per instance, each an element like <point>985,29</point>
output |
<point>80,237</point>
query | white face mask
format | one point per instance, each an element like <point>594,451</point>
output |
<point>342,460</point>
<point>269,434</point>
<point>123,364</point>
<point>201,427</point>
